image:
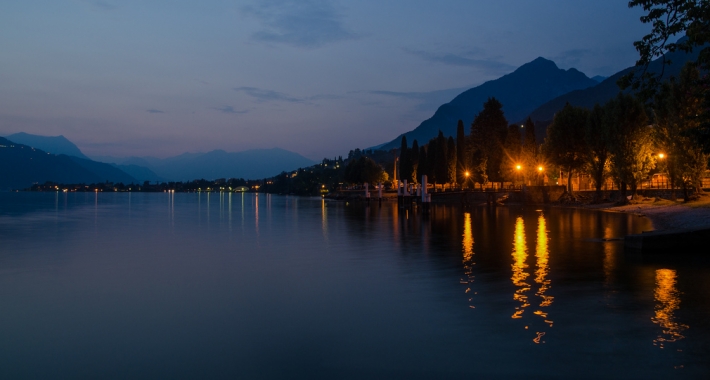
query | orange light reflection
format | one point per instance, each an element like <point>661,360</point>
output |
<point>668,301</point>
<point>520,255</point>
<point>467,248</point>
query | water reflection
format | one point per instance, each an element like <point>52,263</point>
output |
<point>324,218</point>
<point>667,297</point>
<point>520,255</point>
<point>520,274</point>
<point>468,254</point>
<point>542,253</point>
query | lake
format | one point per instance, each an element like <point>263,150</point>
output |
<point>141,285</point>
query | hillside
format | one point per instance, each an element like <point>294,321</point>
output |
<point>520,92</point>
<point>50,144</point>
<point>604,91</point>
<point>22,165</point>
<point>250,164</point>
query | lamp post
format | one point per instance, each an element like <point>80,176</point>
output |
<point>467,174</point>
<point>661,157</point>
<point>517,170</point>
<point>541,177</point>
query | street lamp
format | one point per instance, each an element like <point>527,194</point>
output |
<point>467,174</point>
<point>518,167</point>
<point>540,169</point>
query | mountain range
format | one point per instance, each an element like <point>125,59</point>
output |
<point>22,165</point>
<point>537,89</point>
<point>28,159</point>
<point>608,88</point>
<point>249,164</point>
<point>520,92</point>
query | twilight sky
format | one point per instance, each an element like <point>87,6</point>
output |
<point>318,77</point>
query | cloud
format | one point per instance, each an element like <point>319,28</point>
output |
<point>466,59</point>
<point>571,58</point>
<point>426,101</point>
<point>268,95</point>
<point>299,23</point>
<point>152,110</point>
<point>229,109</point>
<point>262,96</point>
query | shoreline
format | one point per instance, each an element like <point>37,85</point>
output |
<point>664,214</point>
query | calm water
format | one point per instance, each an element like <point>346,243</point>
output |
<point>246,286</point>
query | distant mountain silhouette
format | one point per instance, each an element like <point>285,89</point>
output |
<point>50,144</point>
<point>22,165</point>
<point>520,92</point>
<point>604,91</point>
<point>140,173</point>
<point>598,78</point>
<point>250,164</point>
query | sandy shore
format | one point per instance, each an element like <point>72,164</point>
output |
<point>666,214</point>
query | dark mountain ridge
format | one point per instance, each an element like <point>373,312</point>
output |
<point>520,92</point>
<point>248,164</point>
<point>22,165</point>
<point>50,144</point>
<point>605,90</point>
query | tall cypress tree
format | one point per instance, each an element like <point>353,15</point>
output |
<point>414,158</point>
<point>451,159</point>
<point>432,151</point>
<point>423,163</point>
<point>461,156</point>
<point>405,171</point>
<point>441,166</point>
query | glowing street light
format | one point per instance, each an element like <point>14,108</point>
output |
<point>518,167</point>
<point>661,156</point>
<point>540,168</point>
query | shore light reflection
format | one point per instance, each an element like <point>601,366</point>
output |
<point>324,218</point>
<point>667,297</point>
<point>542,253</point>
<point>520,255</point>
<point>467,248</point>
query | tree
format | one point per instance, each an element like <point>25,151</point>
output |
<point>487,134</point>
<point>597,138</point>
<point>461,150</point>
<point>512,149</point>
<point>676,106</point>
<point>530,159</point>
<point>432,150</point>
<point>631,145</point>
<point>423,163</point>
<point>406,166</point>
<point>671,18</point>
<point>451,159</point>
<point>414,157</point>
<point>441,164</point>
<point>364,170</point>
<point>564,145</point>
